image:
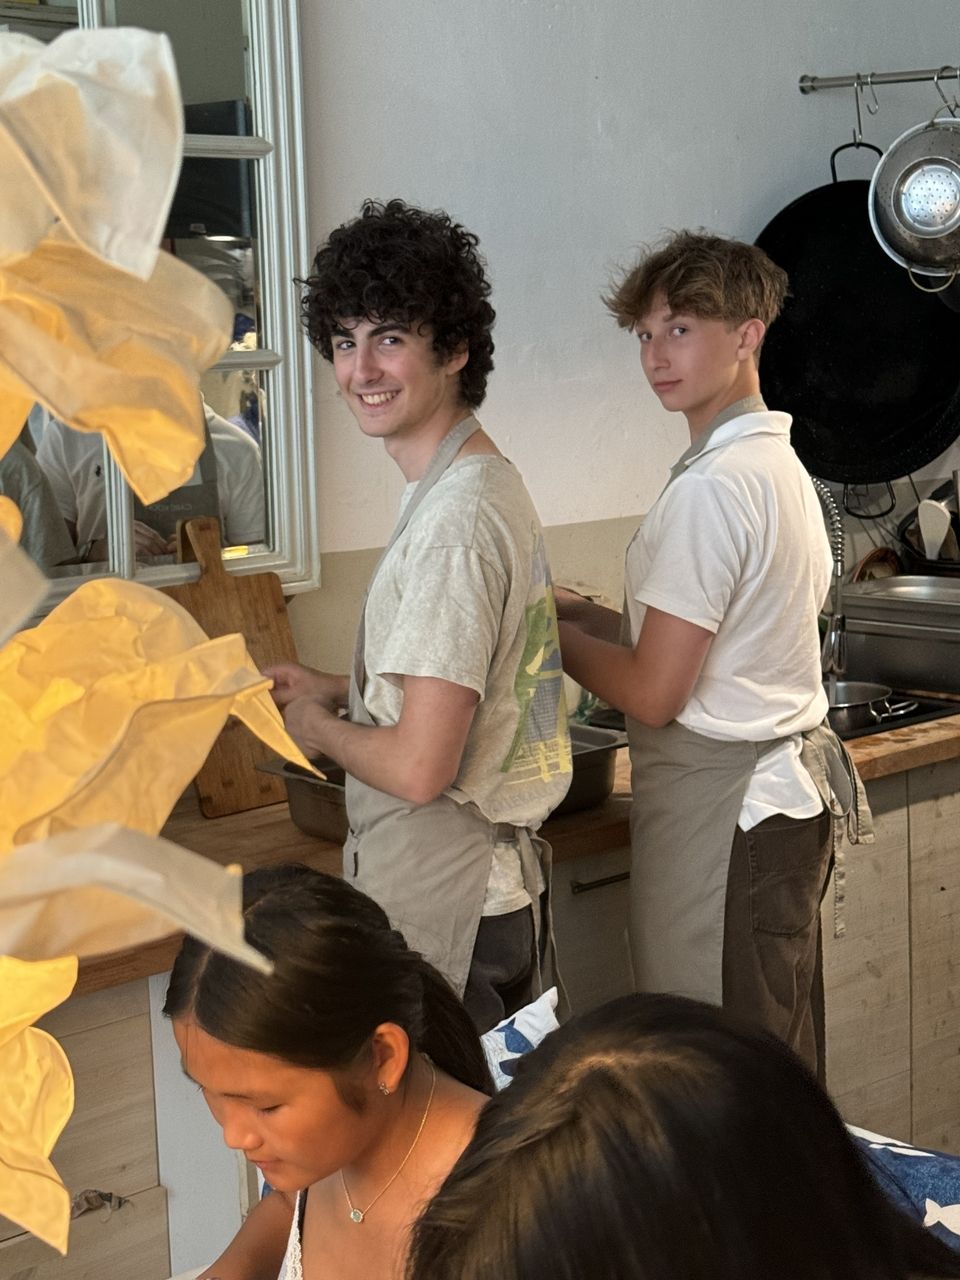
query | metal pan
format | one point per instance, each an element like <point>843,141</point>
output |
<point>854,704</point>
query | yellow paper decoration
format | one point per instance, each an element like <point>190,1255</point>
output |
<point>11,521</point>
<point>104,351</point>
<point>109,707</point>
<point>91,132</point>
<point>36,1097</point>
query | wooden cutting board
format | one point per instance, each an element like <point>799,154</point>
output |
<point>223,603</point>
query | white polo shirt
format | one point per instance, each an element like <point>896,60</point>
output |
<point>737,544</point>
<point>73,462</point>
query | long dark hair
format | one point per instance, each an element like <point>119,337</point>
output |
<point>340,971</point>
<point>658,1138</point>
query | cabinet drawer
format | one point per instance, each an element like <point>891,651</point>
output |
<point>129,1244</point>
<point>110,1141</point>
<point>591,906</point>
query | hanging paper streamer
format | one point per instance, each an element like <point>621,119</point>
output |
<point>36,1099</point>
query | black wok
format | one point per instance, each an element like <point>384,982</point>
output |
<point>865,362</point>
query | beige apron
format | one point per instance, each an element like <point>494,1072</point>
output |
<point>428,865</point>
<point>687,794</point>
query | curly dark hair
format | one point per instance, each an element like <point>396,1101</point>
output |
<point>398,263</point>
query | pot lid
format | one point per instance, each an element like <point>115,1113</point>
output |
<point>864,360</point>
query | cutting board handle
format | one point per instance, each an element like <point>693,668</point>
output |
<point>199,540</point>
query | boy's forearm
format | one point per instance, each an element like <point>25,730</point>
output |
<point>651,682</point>
<point>367,752</point>
<point>591,618</point>
<point>604,668</point>
<point>415,759</point>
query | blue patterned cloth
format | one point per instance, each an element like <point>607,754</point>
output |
<point>925,1184</point>
<point>517,1035</point>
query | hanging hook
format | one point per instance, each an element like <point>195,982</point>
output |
<point>951,106</point>
<point>858,141</point>
<point>857,93</point>
<point>873,94</point>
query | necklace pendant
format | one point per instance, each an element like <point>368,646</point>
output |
<point>356,1215</point>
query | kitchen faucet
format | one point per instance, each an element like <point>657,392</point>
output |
<point>833,654</point>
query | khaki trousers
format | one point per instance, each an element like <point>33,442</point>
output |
<point>772,949</point>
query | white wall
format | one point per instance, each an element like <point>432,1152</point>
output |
<point>207,1184</point>
<point>565,132</point>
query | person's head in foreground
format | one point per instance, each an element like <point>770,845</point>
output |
<point>398,301</point>
<point>700,305</point>
<point>657,1138</point>
<point>309,1070</point>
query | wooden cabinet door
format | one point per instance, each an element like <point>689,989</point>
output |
<point>867,974</point>
<point>591,906</point>
<point>934,796</point>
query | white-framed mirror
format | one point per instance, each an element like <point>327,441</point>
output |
<point>239,217</point>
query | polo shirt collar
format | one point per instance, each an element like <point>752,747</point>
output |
<point>715,437</point>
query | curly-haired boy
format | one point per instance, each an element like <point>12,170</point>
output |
<point>456,745</point>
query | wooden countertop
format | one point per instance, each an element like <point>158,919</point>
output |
<point>911,747</point>
<point>261,837</point>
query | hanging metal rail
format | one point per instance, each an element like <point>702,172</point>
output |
<point>869,80</point>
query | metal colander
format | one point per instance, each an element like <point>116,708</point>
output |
<point>914,199</point>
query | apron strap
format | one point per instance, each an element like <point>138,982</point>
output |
<point>835,776</point>
<point>446,451</point>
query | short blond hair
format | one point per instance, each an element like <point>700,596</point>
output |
<point>703,275</point>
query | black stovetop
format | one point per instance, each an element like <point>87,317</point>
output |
<point>926,709</point>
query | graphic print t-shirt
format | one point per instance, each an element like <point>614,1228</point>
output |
<point>464,595</point>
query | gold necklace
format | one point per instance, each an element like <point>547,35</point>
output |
<point>358,1215</point>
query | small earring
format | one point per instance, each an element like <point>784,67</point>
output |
<point>384,1088</point>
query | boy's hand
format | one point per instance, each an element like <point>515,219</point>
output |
<point>569,603</point>
<point>586,615</point>
<point>291,681</point>
<point>304,719</point>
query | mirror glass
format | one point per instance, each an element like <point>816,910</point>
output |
<point>237,217</point>
<point>210,44</point>
<point>41,21</point>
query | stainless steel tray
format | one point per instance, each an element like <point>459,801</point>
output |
<point>902,594</point>
<point>318,807</point>
<point>904,632</point>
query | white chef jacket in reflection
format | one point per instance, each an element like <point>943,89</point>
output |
<point>73,462</point>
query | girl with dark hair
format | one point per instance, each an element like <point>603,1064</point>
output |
<point>352,1076</point>
<point>657,1138</point>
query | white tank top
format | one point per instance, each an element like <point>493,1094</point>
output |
<point>292,1268</point>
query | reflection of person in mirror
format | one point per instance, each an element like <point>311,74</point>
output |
<point>44,535</point>
<point>456,744</point>
<point>73,463</point>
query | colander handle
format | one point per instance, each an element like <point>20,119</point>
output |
<point>923,288</point>
<point>846,146</point>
